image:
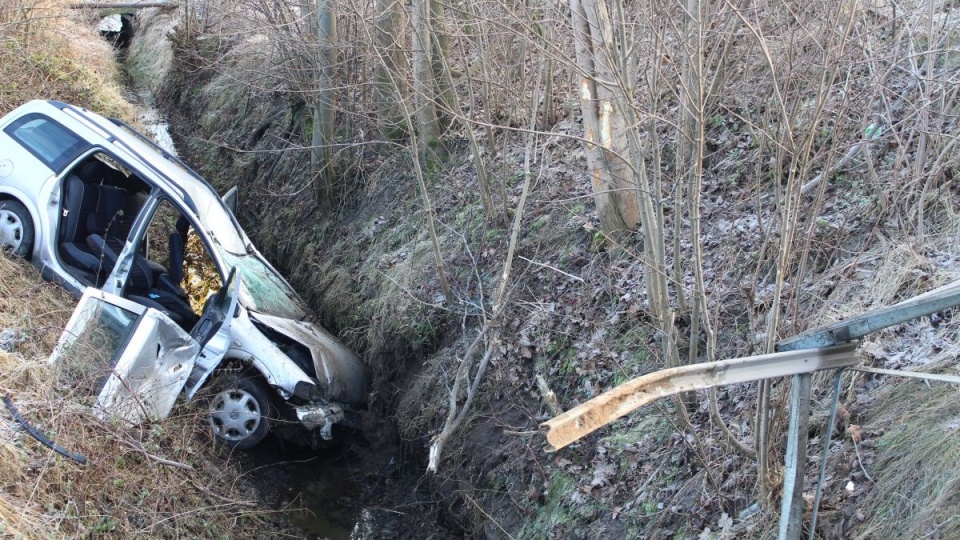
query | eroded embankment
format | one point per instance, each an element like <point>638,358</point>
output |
<point>577,316</point>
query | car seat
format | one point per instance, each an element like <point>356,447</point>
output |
<point>178,248</point>
<point>144,287</point>
<point>92,209</point>
<point>79,202</point>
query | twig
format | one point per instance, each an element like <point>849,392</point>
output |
<point>410,293</point>
<point>488,516</point>
<point>521,433</point>
<point>854,150</point>
<point>557,270</point>
<point>856,449</point>
<point>548,396</point>
<point>392,511</point>
<point>205,489</point>
<point>134,445</point>
<point>731,438</point>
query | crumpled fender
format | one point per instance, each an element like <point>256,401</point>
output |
<point>339,371</point>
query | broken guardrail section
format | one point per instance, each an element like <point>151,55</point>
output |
<point>629,396</point>
<point>807,352</point>
<point>829,347</point>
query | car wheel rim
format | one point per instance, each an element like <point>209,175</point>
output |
<point>11,230</point>
<point>234,414</point>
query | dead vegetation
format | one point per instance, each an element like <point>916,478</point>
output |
<point>51,52</point>
<point>826,140</point>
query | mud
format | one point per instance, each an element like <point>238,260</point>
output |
<point>354,491</point>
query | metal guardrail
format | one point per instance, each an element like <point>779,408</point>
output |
<point>857,327</point>
<point>828,347</point>
<point>631,395</point>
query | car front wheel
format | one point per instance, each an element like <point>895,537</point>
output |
<point>239,411</point>
<point>16,229</point>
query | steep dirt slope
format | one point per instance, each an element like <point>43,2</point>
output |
<point>577,317</point>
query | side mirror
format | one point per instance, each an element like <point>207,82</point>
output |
<point>232,199</point>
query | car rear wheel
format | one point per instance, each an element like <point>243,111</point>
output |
<point>239,411</point>
<point>16,229</point>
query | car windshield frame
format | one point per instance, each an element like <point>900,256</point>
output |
<point>262,288</point>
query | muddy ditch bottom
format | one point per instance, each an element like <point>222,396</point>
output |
<point>353,491</point>
<point>313,488</point>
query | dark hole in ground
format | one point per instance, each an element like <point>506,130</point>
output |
<point>117,29</point>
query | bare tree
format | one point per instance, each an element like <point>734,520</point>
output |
<point>608,154</point>
<point>392,66</point>
<point>324,107</point>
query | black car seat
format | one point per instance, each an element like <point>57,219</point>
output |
<point>79,201</point>
<point>95,171</point>
<point>171,280</point>
<point>143,287</point>
<point>109,218</point>
<point>141,275</point>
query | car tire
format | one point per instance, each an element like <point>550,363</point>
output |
<point>16,229</point>
<point>239,411</point>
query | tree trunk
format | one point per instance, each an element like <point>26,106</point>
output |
<point>423,76</point>
<point>614,184</point>
<point>440,62</point>
<point>480,40</point>
<point>324,112</point>
<point>390,71</point>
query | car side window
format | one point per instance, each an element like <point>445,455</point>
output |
<point>48,141</point>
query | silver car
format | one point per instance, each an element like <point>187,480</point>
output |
<point>128,228</point>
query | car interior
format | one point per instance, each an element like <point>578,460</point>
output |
<point>100,204</point>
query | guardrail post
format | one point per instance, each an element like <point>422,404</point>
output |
<point>791,508</point>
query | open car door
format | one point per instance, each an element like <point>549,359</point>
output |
<point>132,361</point>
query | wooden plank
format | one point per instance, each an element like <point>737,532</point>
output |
<point>631,395</point>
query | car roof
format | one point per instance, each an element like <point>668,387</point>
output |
<point>158,166</point>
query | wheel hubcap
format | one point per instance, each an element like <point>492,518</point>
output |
<point>11,230</point>
<point>234,414</point>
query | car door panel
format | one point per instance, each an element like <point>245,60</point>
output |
<point>212,331</point>
<point>132,361</point>
<point>151,373</point>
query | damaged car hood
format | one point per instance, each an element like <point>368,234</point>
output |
<point>339,371</point>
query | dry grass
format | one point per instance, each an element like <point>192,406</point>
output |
<point>48,51</point>
<point>890,272</point>
<point>917,494</point>
<point>909,447</point>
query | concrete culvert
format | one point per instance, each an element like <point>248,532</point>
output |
<point>117,29</point>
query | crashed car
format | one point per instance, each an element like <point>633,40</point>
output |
<point>127,227</point>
